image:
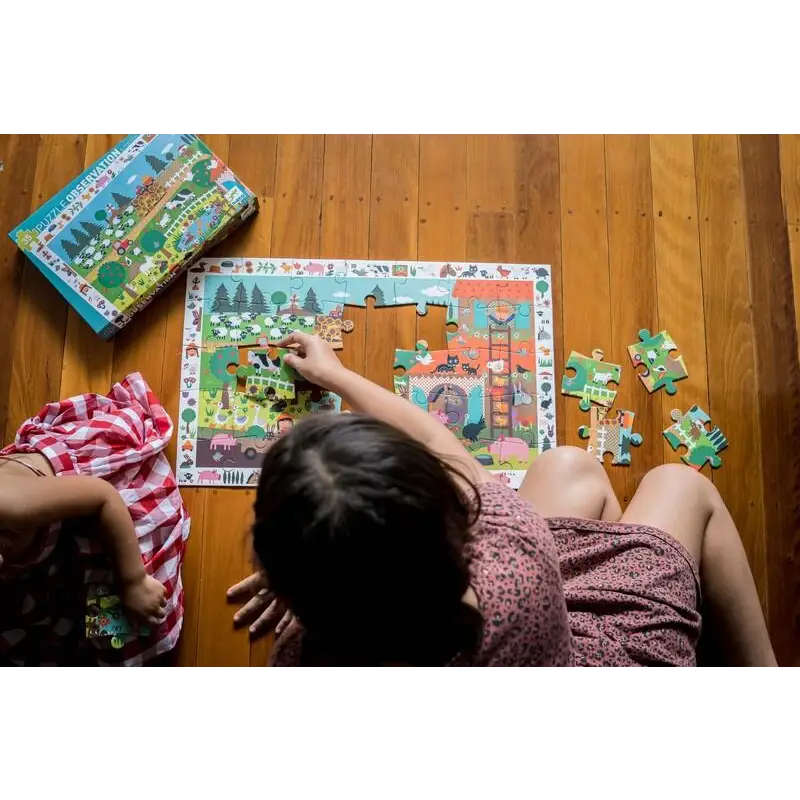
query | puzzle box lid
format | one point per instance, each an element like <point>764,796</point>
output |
<point>132,222</point>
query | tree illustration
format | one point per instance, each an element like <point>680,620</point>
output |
<point>112,274</point>
<point>257,303</point>
<point>80,237</point>
<point>155,163</point>
<point>311,303</point>
<point>222,302</point>
<point>377,293</point>
<point>542,286</point>
<point>188,417</point>
<point>92,228</point>
<point>546,387</point>
<point>240,303</point>
<point>120,199</point>
<point>152,241</point>
<point>169,157</point>
<point>70,248</point>
<point>278,298</point>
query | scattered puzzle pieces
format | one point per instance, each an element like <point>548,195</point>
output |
<point>591,379</point>
<point>611,433</point>
<point>702,444</point>
<point>661,369</point>
<point>330,329</point>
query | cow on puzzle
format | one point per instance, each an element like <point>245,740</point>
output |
<point>591,379</point>
<point>702,444</point>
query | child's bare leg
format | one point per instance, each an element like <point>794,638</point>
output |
<point>568,482</point>
<point>685,504</point>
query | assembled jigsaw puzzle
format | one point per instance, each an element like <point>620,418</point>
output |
<point>611,432</point>
<point>702,444</point>
<point>128,225</point>
<point>493,386</point>
<point>661,369</point>
<point>591,379</point>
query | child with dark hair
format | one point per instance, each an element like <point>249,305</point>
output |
<point>390,545</point>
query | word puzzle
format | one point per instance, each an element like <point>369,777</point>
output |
<point>611,432</point>
<point>702,444</point>
<point>660,368</point>
<point>591,379</point>
<point>493,386</point>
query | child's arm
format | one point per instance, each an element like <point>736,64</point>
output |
<point>36,502</point>
<point>316,361</point>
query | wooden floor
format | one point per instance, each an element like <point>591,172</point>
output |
<point>699,235</point>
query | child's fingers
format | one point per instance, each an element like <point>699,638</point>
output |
<point>295,337</point>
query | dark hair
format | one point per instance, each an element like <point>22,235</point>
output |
<point>361,531</point>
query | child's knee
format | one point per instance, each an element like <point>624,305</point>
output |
<point>678,480</point>
<point>571,462</point>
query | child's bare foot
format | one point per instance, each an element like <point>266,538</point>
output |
<point>146,598</point>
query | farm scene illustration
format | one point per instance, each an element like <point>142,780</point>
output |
<point>137,223</point>
<point>492,386</point>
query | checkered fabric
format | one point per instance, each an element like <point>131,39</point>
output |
<point>120,438</point>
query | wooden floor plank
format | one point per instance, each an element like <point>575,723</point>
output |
<point>298,196</point>
<point>38,340</point>
<point>538,231</point>
<point>790,180</point>
<point>584,266</point>
<point>679,274</point>
<point>443,218</point>
<point>732,380</point>
<point>18,155</point>
<point>88,359</point>
<point>770,273</point>
<point>393,227</point>
<point>633,292</point>
<point>345,224</point>
<point>491,173</point>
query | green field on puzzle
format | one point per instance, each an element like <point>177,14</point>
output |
<point>611,430</point>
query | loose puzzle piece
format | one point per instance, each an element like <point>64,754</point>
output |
<point>591,379</point>
<point>330,329</point>
<point>702,444</point>
<point>105,618</point>
<point>266,373</point>
<point>661,369</point>
<point>611,433</point>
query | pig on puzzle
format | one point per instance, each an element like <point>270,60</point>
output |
<point>611,433</point>
<point>702,444</point>
<point>660,368</point>
<point>591,379</point>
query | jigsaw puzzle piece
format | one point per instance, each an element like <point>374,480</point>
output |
<point>661,368</point>
<point>331,328</point>
<point>702,444</point>
<point>265,374</point>
<point>591,380</point>
<point>611,433</point>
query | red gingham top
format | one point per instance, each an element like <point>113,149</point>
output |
<point>119,437</point>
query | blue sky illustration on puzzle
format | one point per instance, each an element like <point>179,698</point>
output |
<point>330,292</point>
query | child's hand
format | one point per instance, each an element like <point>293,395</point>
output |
<point>146,598</point>
<point>313,358</point>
